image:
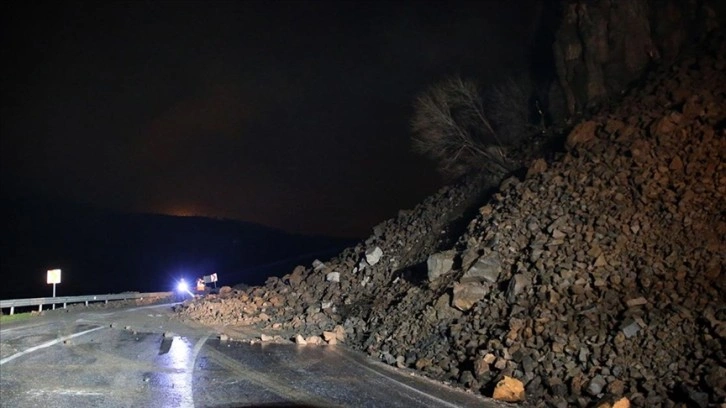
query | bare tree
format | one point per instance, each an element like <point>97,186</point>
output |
<point>465,129</point>
<point>509,109</point>
<point>452,126</point>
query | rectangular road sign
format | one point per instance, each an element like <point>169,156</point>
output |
<point>54,276</point>
<point>210,278</point>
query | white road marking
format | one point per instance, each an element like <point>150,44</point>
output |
<point>66,392</point>
<point>189,398</point>
<point>408,387</point>
<point>47,344</point>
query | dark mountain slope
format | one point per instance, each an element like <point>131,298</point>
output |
<point>102,251</point>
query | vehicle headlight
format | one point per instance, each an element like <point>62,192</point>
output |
<point>182,286</point>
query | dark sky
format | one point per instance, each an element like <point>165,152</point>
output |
<point>289,114</point>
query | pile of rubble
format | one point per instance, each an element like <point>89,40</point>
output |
<point>599,276</point>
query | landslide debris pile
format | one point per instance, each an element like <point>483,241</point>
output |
<point>598,276</point>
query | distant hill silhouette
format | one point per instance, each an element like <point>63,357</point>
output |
<point>102,251</point>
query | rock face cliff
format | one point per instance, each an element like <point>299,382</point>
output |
<point>598,275</point>
<point>601,47</point>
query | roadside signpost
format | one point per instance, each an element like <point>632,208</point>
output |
<point>54,277</point>
<point>210,278</point>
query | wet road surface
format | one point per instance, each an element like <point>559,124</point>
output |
<point>140,357</point>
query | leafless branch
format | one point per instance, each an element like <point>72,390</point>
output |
<point>452,126</point>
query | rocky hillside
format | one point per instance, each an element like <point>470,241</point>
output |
<point>600,47</point>
<point>597,276</point>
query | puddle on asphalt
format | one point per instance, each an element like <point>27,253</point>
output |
<point>172,381</point>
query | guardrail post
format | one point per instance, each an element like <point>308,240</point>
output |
<point>41,302</point>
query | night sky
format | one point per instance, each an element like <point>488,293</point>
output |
<point>289,114</point>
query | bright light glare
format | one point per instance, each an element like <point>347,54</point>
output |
<point>182,286</point>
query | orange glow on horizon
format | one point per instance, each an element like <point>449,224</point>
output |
<point>183,211</point>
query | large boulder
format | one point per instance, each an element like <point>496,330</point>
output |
<point>439,264</point>
<point>485,269</point>
<point>373,255</point>
<point>466,295</point>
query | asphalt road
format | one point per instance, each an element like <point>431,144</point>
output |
<point>141,357</point>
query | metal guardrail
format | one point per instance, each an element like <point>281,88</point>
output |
<point>40,302</point>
